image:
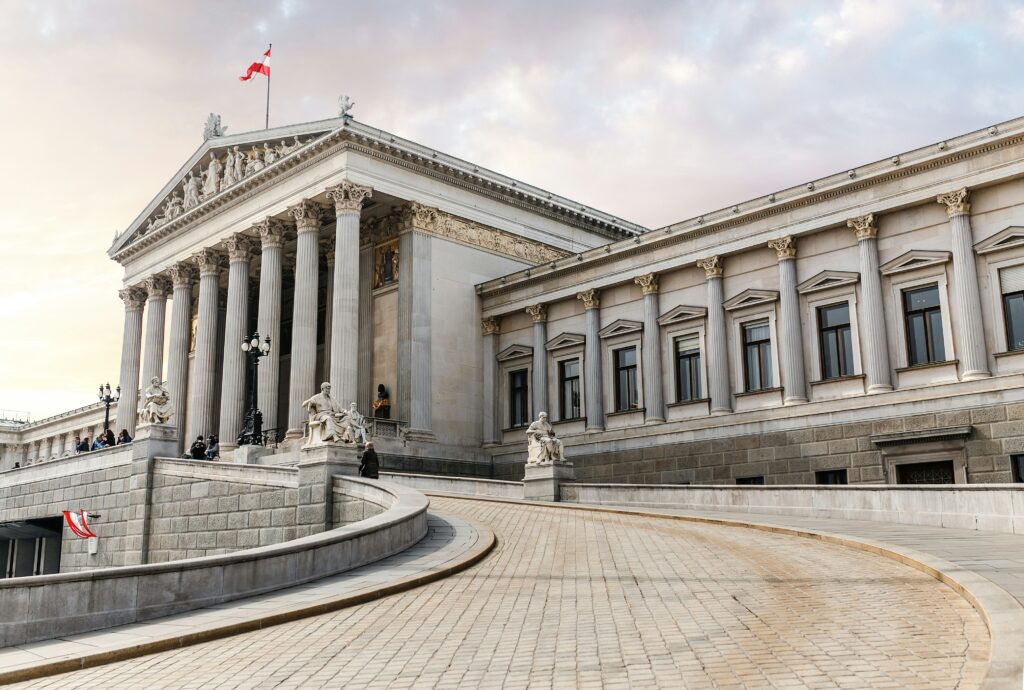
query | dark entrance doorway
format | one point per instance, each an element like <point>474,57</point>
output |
<point>31,547</point>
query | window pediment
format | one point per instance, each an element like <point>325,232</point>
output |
<point>1012,236</point>
<point>682,313</point>
<point>620,327</point>
<point>563,340</point>
<point>914,259</point>
<point>751,298</point>
<point>514,352</point>
<point>828,279</point>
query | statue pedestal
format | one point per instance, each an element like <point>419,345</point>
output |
<point>317,466</point>
<point>249,454</point>
<point>542,480</point>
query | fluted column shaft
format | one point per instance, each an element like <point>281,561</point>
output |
<point>131,354</point>
<point>201,412</point>
<point>269,318</point>
<point>303,365</point>
<point>182,277</point>
<point>491,428</point>
<point>156,311</point>
<point>364,379</point>
<point>236,328</point>
<point>872,323</point>
<point>972,353</point>
<point>539,313</point>
<point>719,389</point>
<point>654,392</point>
<point>791,341</point>
<point>327,251</point>
<point>592,377</point>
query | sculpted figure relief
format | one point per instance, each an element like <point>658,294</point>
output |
<point>254,162</point>
<point>191,191</point>
<point>541,443</point>
<point>229,171</point>
<point>269,154</point>
<point>239,165</point>
<point>211,181</point>
<point>156,404</point>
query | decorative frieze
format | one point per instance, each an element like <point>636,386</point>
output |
<point>491,326</point>
<point>348,196</point>
<point>538,312</point>
<point>956,202</point>
<point>648,283</point>
<point>785,247</point>
<point>863,227</point>
<point>712,266</point>
<point>590,298</point>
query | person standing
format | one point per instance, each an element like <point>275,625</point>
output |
<point>369,466</point>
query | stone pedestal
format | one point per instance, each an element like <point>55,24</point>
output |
<point>542,480</point>
<point>249,455</point>
<point>317,466</point>
<point>151,441</point>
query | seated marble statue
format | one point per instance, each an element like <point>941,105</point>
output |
<point>541,443</point>
<point>156,404</point>
<point>354,426</point>
<point>327,415</point>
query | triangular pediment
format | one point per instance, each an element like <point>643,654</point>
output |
<point>751,298</point>
<point>828,279</point>
<point>514,352</point>
<point>1012,236</point>
<point>682,313</point>
<point>282,145</point>
<point>620,327</point>
<point>912,260</point>
<point>565,340</point>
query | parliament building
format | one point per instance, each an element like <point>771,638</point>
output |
<point>866,327</point>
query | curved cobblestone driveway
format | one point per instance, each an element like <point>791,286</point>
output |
<point>574,598</point>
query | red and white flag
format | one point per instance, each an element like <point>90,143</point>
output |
<point>79,523</point>
<point>261,67</point>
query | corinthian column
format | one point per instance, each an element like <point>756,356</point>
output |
<point>364,380</point>
<point>327,247</point>
<point>131,346</point>
<point>344,342</point>
<point>791,341</point>
<point>307,217</point>
<point>966,293</point>
<point>414,319</point>
<point>271,233</point>
<point>718,354</point>
<point>539,314</point>
<point>654,394</point>
<point>201,405</point>
<point>876,345</point>
<point>182,276</point>
<point>232,387</point>
<point>491,329</point>
<point>156,310</point>
<point>594,389</point>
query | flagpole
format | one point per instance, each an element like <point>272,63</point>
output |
<point>266,122</point>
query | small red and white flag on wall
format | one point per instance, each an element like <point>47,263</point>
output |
<point>79,523</point>
<point>261,67</point>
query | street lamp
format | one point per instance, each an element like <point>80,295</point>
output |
<point>252,433</point>
<point>106,398</point>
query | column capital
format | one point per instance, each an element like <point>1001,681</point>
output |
<point>182,275</point>
<point>307,215</point>
<point>133,297</point>
<point>785,247</point>
<point>538,312</point>
<point>591,299</point>
<point>491,325</point>
<point>157,287</point>
<point>239,247</point>
<point>712,266</point>
<point>327,245</point>
<point>417,215</point>
<point>956,202</point>
<point>863,227</point>
<point>209,261</point>
<point>271,232</point>
<point>648,283</point>
<point>348,196</point>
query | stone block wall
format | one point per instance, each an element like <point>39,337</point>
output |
<point>349,509</point>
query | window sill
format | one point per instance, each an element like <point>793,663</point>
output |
<point>569,421</point>
<point>930,365</point>
<point>851,377</point>
<point>514,428</point>
<point>1008,353</point>
<point>684,403</point>
<point>759,391</point>
<point>619,413</point>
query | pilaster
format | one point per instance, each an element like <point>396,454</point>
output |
<point>791,342</point>
<point>492,431</point>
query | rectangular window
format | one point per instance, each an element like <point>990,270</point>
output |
<point>758,481</point>
<point>626,397</point>
<point>1017,467</point>
<point>519,403</point>
<point>830,477</point>
<point>569,388</point>
<point>836,340</point>
<point>923,314</point>
<point>1011,284</point>
<point>688,368</point>
<point>757,355</point>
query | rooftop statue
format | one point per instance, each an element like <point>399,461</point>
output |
<point>156,404</point>
<point>541,443</point>
<point>345,104</point>
<point>213,128</point>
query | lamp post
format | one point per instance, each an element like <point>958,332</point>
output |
<point>106,398</point>
<point>252,432</point>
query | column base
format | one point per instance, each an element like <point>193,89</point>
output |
<point>654,420</point>
<point>721,410</point>
<point>542,481</point>
<point>879,388</point>
<point>975,375</point>
<point>293,434</point>
<point>794,401</point>
<point>594,428</point>
<point>490,444</point>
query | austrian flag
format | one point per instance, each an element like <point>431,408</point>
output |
<point>261,67</point>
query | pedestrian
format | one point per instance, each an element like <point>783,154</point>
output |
<point>83,445</point>
<point>369,465</point>
<point>198,449</point>
<point>97,443</point>
<point>109,441</point>
<point>212,448</point>
<point>123,437</point>
<point>78,444</point>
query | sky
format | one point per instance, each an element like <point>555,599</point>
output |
<point>652,111</point>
